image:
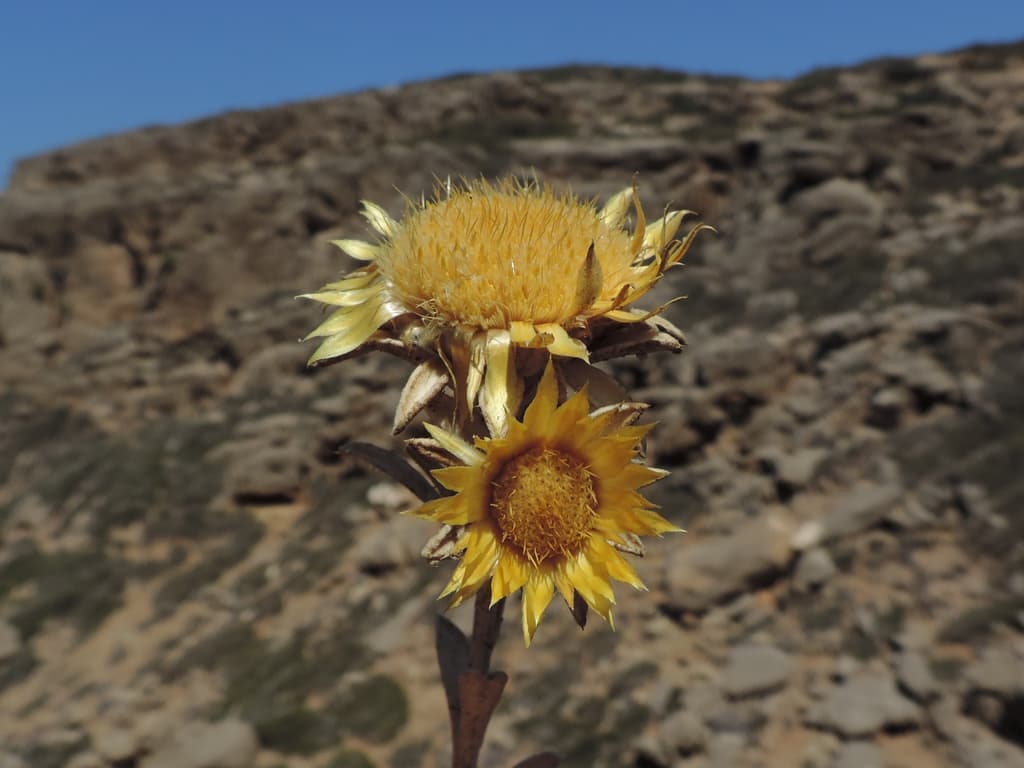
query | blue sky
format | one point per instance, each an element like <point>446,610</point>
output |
<point>73,70</point>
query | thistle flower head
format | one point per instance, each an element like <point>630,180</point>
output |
<point>545,507</point>
<point>482,269</point>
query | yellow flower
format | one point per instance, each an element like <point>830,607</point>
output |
<point>465,279</point>
<point>546,506</point>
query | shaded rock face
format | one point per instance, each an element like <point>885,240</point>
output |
<point>191,574</point>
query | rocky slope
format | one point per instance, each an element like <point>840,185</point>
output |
<point>191,576</point>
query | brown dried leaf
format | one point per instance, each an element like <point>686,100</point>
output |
<point>394,466</point>
<point>425,383</point>
<point>441,545</point>
<point>630,544</point>
<point>580,610</point>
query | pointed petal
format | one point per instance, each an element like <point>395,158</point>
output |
<point>364,322</point>
<point>638,231</point>
<point>456,446</point>
<point>509,576</point>
<point>349,298</point>
<point>589,281</point>
<point>544,402</point>
<point>458,478</point>
<point>562,343</point>
<point>679,251</point>
<point>612,562</point>
<point>614,211</point>
<point>537,596</point>
<point>449,510</point>
<point>664,229</point>
<point>354,280</point>
<point>571,411</point>
<point>635,475</point>
<point>379,219</point>
<point>357,249</point>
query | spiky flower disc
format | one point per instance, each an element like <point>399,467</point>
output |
<point>545,506</point>
<point>482,269</point>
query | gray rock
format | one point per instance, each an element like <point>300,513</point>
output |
<point>395,542</point>
<point>683,734</point>
<point>648,750</point>
<point>270,472</point>
<point>10,641</point>
<point>725,750</point>
<point>923,374</point>
<point>974,746</point>
<point>755,669</point>
<point>914,675</point>
<point>717,568</point>
<point>226,744</point>
<point>839,196</point>
<point>859,754</point>
<point>813,569</point>
<point>864,705</point>
<point>888,406</point>
<point>999,671</point>
<point>11,760</point>
<point>798,469</point>
<point>863,506</point>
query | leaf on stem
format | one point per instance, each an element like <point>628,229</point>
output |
<point>392,465</point>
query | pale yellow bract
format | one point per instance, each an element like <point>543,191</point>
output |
<point>544,507</point>
<point>485,268</point>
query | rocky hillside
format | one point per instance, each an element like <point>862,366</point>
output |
<point>191,576</point>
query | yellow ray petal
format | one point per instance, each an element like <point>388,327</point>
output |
<point>509,575</point>
<point>357,279</point>
<point>679,251</point>
<point>349,298</point>
<point>573,410</point>
<point>448,510</point>
<point>357,249</point>
<point>537,596</point>
<point>379,219</point>
<point>664,229</point>
<point>612,562</point>
<point>562,343</point>
<point>614,211</point>
<point>456,446</point>
<point>363,323</point>
<point>457,478</point>
<point>641,223</point>
<point>544,402</point>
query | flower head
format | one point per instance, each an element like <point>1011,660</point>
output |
<point>466,279</point>
<point>545,507</point>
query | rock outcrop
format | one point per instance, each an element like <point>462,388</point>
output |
<point>191,574</point>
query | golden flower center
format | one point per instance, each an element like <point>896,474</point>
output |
<point>544,503</point>
<point>485,256</point>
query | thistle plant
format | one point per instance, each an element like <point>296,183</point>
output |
<point>504,296</point>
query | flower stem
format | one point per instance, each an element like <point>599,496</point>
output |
<point>479,689</point>
<point>486,628</point>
